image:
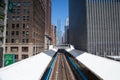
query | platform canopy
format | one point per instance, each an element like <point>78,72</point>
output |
<point>28,69</point>
<point>106,69</point>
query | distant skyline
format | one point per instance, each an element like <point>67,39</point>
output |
<point>59,12</point>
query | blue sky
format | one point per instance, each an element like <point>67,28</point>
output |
<point>59,12</point>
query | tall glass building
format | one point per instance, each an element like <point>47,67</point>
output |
<point>95,26</point>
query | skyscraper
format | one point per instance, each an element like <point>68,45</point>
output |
<point>48,38</point>
<point>67,31</point>
<point>26,28</point>
<point>94,26</point>
<point>53,34</point>
<point>59,32</point>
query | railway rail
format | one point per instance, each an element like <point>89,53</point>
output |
<point>61,69</point>
<point>64,67</point>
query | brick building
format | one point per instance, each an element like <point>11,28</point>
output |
<point>26,28</point>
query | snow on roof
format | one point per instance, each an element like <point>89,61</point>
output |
<point>105,68</point>
<point>29,69</point>
<point>114,57</point>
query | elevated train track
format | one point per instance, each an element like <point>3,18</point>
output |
<point>62,63</point>
<point>64,67</point>
<point>61,69</point>
<point>49,65</point>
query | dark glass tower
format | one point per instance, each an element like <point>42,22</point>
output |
<point>95,26</point>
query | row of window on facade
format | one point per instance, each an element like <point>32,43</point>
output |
<point>18,4</point>
<point>13,33</point>
<point>16,49</point>
<point>18,18</point>
<point>18,11</point>
<point>24,56</point>
<point>17,41</point>
<point>16,26</point>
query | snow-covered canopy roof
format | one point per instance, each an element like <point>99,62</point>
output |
<point>28,69</point>
<point>105,68</point>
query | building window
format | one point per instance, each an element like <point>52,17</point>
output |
<point>7,26</point>
<point>24,56</point>
<point>12,33</point>
<point>17,25</point>
<point>28,18</point>
<point>23,18</point>
<point>27,25</point>
<point>13,26</point>
<point>16,57</point>
<point>1,40</point>
<point>23,32</point>
<point>14,49</point>
<point>6,49</point>
<point>17,32</point>
<point>33,35</point>
<point>16,4</point>
<point>26,3</point>
<point>24,49</point>
<point>12,41</point>
<point>6,40</point>
<point>18,11</point>
<point>6,33</point>
<point>13,18</point>
<point>26,11</point>
<point>27,32</point>
<point>27,40</point>
<point>23,26</point>
<point>18,18</point>
<point>23,40</point>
